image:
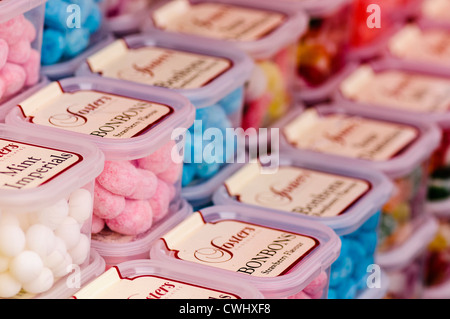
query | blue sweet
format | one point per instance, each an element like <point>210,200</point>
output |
<point>189,171</point>
<point>56,14</point>
<point>94,20</point>
<point>372,223</point>
<point>341,268</point>
<point>233,101</point>
<point>77,40</point>
<point>369,239</point>
<point>53,46</point>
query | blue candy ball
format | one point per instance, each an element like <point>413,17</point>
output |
<point>206,171</point>
<point>53,45</point>
<point>94,20</point>
<point>77,42</point>
<point>86,7</point>
<point>56,14</point>
<point>189,171</point>
<point>372,222</point>
<point>331,294</point>
<point>233,101</point>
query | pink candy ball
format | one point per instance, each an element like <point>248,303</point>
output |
<point>300,295</point>
<point>19,52</point>
<point>32,67</point>
<point>4,51</point>
<point>146,185</point>
<point>160,202</point>
<point>317,285</point>
<point>136,218</point>
<point>2,88</point>
<point>119,177</point>
<point>172,173</point>
<point>13,30</point>
<point>14,77</point>
<point>106,204</point>
<point>158,161</point>
<point>97,224</point>
<point>30,31</point>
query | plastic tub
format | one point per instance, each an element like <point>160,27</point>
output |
<point>21,25</point>
<point>404,265</point>
<point>69,29</point>
<point>437,266</point>
<point>141,133</point>
<point>399,147</point>
<point>117,249</point>
<point>151,279</point>
<point>211,76</point>
<point>269,35</point>
<point>242,242</point>
<point>395,88</point>
<point>46,202</point>
<point>347,200</point>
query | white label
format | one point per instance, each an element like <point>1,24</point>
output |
<point>93,113</point>
<point>349,136</point>
<point>401,90</point>
<point>296,190</point>
<point>217,20</point>
<point>158,66</point>
<point>239,247</point>
<point>24,166</point>
<point>112,285</point>
<point>430,46</point>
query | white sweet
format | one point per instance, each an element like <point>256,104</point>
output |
<point>41,239</point>
<point>9,286</point>
<point>8,218</point>
<point>12,240</point>
<point>4,263</point>
<point>42,283</point>
<point>80,252</point>
<point>80,205</point>
<point>257,84</point>
<point>69,232</point>
<point>54,215</point>
<point>26,266</point>
<point>62,269</point>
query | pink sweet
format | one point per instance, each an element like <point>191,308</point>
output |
<point>136,218</point>
<point>299,295</point>
<point>2,88</point>
<point>160,202</point>
<point>4,50</point>
<point>257,109</point>
<point>19,52</point>
<point>119,177</point>
<point>30,31</point>
<point>317,295</point>
<point>12,30</point>
<point>172,191</point>
<point>106,204</point>
<point>317,285</point>
<point>14,77</point>
<point>32,68</point>
<point>146,185</point>
<point>172,173</point>
<point>97,224</point>
<point>158,161</point>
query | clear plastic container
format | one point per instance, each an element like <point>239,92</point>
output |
<point>152,279</point>
<point>21,26</point>
<point>347,200</point>
<point>119,249</point>
<point>398,146</point>
<point>404,265</point>
<point>70,28</point>
<point>46,202</point>
<point>211,76</point>
<point>141,133</point>
<point>282,258</point>
<point>269,34</point>
<point>437,265</point>
<point>77,278</point>
<point>396,88</point>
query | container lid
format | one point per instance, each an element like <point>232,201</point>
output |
<point>126,122</point>
<point>403,255</point>
<point>278,256</point>
<point>152,279</point>
<point>12,8</point>
<point>395,88</point>
<point>267,27</point>
<point>440,209</point>
<point>368,137</point>
<point>339,196</point>
<point>37,168</point>
<point>131,246</point>
<point>314,8</point>
<point>201,70</point>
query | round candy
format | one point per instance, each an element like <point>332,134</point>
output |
<point>172,174</point>
<point>300,295</point>
<point>136,218</point>
<point>42,283</point>
<point>317,285</point>
<point>205,170</point>
<point>69,232</point>
<point>80,205</point>
<point>80,252</point>
<point>119,177</point>
<point>12,30</point>
<point>19,52</point>
<point>146,185</point>
<point>14,77</point>
<point>233,101</point>
<point>4,51</point>
<point>189,171</point>
<point>32,68</point>
<point>372,223</point>
<point>64,267</point>
<point>57,256</point>
<point>94,20</point>
<point>257,85</point>
<point>106,204</point>
<point>53,216</point>
<point>159,161</point>
<point>26,266</point>
<point>30,31</point>
<point>9,286</point>
<point>160,201</point>
<point>12,240</point>
<point>4,263</point>
<point>40,239</point>
<point>77,40</point>
<point>97,224</point>
<point>53,46</point>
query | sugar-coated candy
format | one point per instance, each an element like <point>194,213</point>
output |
<point>53,216</point>
<point>98,224</point>
<point>189,172</point>
<point>160,201</point>
<point>26,266</point>
<point>14,76</point>
<point>106,204</point>
<point>145,186</point>
<point>8,218</point>
<point>80,205</point>
<point>19,52</point>
<point>12,240</point>
<point>4,263</point>
<point>158,161</point>
<point>9,286</point>
<point>53,46</point>
<point>172,173</point>
<point>56,257</point>
<point>119,177</point>
<point>372,223</point>
<point>207,170</point>
<point>55,14</point>
<point>63,268</point>
<point>94,20</point>
<point>42,283</point>
<point>2,88</point>
<point>300,295</point>
<point>69,232</point>
<point>80,251</point>
<point>30,31</point>
<point>317,285</point>
<point>32,68</point>
<point>77,40</point>
<point>233,101</point>
<point>4,51</point>
<point>136,218</point>
<point>12,30</point>
<point>40,239</point>
<point>86,7</point>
